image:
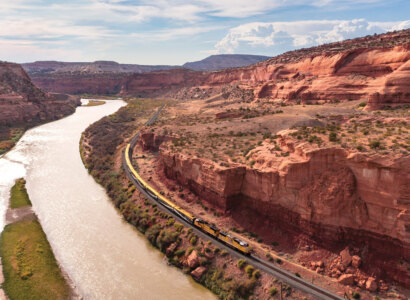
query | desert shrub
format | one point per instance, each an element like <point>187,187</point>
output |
<point>374,144</point>
<point>332,137</point>
<point>178,227</point>
<point>249,270</point>
<point>273,291</point>
<point>362,104</point>
<point>297,275</point>
<point>180,252</point>
<point>356,295</point>
<point>152,233</point>
<point>224,253</point>
<point>256,274</point>
<point>170,222</point>
<point>193,240</point>
<point>241,263</point>
<point>165,238</point>
<point>279,261</point>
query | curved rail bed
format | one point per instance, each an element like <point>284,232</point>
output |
<point>237,247</point>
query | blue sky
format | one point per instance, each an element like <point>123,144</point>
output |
<point>177,31</point>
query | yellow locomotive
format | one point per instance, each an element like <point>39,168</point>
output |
<point>202,225</point>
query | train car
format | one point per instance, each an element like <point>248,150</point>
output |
<point>234,242</point>
<point>184,215</point>
<point>206,227</point>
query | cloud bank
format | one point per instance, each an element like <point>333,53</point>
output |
<point>277,37</point>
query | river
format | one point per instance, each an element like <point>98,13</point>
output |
<point>105,257</point>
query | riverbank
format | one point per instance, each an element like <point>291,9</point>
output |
<point>207,264</point>
<point>28,264</point>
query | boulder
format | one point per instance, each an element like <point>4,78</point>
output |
<point>198,272</point>
<point>371,284</point>
<point>193,260</point>
<point>361,284</point>
<point>171,249</point>
<point>346,258</point>
<point>356,261</point>
<point>346,279</point>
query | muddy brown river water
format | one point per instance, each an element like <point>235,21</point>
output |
<point>104,256</point>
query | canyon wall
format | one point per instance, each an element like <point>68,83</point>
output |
<point>373,68</point>
<point>331,195</point>
<point>80,83</point>
<point>22,103</point>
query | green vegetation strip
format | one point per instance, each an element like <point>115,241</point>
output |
<point>29,265</point>
<point>94,103</point>
<point>19,196</point>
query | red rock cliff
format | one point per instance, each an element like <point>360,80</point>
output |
<point>21,102</point>
<point>373,66</point>
<point>333,195</point>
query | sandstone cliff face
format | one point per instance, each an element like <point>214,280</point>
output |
<point>346,75</point>
<point>21,102</point>
<point>78,83</point>
<point>333,195</point>
<point>375,67</point>
<point>395,89</point>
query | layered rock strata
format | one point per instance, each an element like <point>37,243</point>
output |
<point>332,195</point>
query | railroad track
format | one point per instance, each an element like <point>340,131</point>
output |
<point>285,276</point>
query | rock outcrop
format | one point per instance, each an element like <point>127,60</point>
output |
<point>333,195</point>
<point>372,68</point>
<point>22,103</point>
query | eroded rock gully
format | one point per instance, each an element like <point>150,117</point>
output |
<point>333,196</point>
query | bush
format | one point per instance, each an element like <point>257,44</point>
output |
<point>152,233</point>
<point>224,253</point>
<point>279,261</point>
<point>178,227</point>
<point>332,137</point>
<point>241,263</point>
<point>249,270</point>
<point>297,275</point>
<point>170,222</point>
<point>180,252</point>
<point>256,274</point>
<point>356,295</point>
<point>273,291</point>
<point>193,240</point>
<point>374,144</point>
<point>362,104</point>
<point>165,238</point>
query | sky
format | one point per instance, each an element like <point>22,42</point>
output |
<point>177,31</point>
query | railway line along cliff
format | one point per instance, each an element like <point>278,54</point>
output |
<point>330,195</point>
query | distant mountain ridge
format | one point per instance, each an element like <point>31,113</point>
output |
<point>211,63</point>
<point>224,61</point>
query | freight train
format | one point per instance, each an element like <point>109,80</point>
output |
<point>202,225</point>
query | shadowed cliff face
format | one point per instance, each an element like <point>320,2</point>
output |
<point>22,103</point>
<point>375,67</point>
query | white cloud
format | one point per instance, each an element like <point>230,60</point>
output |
<point>282,36</point>
<point>49,29</point>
